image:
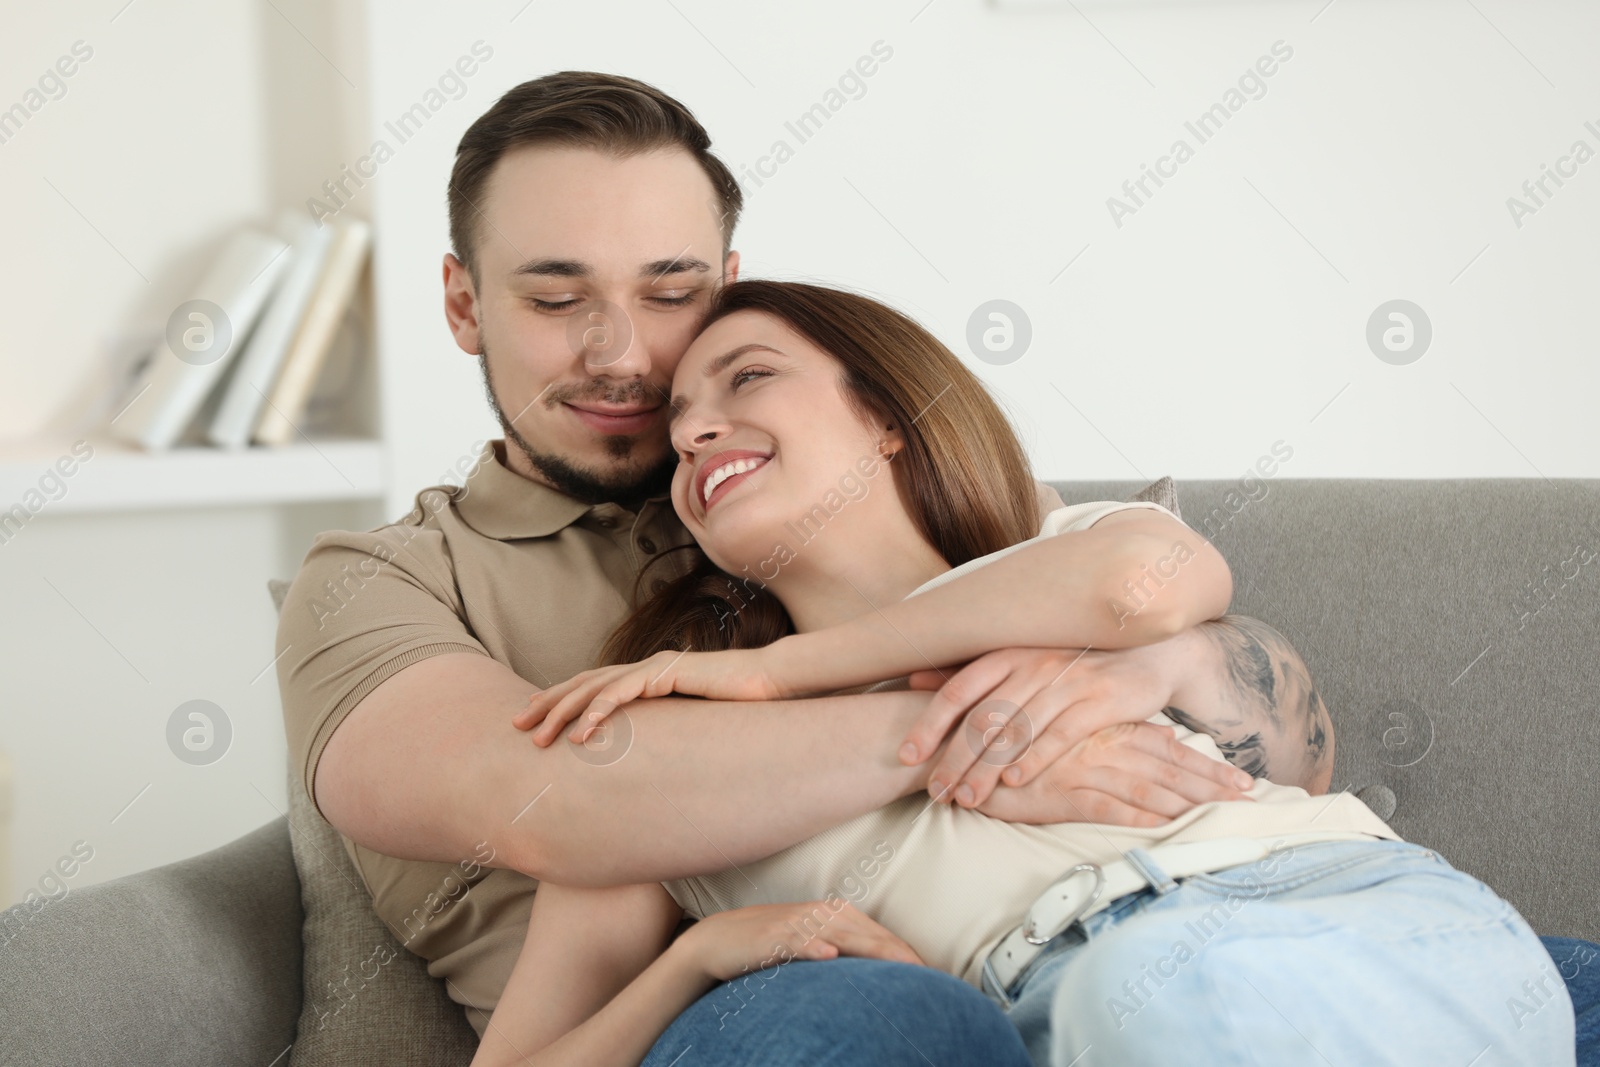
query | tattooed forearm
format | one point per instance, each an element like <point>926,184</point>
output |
<point>1255,698</point>
<point>1245,752</point>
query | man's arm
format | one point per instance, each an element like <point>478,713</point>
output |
<point>1254,696</point>
<point>428,766</point>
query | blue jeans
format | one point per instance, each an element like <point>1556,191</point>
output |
<point>845,1012</point>
<point>1348,952</point>
<point>1579,965</point>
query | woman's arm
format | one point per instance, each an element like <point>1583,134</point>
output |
<point>1133,578</point>
<point>598,983</point>
<point>591,986</point>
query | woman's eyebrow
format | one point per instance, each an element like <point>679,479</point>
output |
<point>680,404</point>
<point>720,364</point>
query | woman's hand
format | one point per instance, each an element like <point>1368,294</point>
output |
<point>731,943</point>
<point>736,674</point>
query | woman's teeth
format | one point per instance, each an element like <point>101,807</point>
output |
<point>726,471</point>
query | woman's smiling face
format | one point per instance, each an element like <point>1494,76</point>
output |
<point>765,435</point>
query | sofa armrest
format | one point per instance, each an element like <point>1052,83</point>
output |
<point>195,963</point>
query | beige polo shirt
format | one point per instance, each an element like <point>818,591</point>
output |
<point>952,882</point>
<point>504,567</point>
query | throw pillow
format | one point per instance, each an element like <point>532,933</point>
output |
<point>365,999</point>
<point>1162,491</point>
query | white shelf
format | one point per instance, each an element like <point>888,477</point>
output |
<point>118,477</point>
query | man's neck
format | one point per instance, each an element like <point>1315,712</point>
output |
<point>517,461</point>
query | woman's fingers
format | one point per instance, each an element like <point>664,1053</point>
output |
<point>600,708</point>
<point>538,704</point>
<point>570,706</point>
<point>855,934</point>
<point>541,703</point>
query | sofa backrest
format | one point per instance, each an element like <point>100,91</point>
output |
<point>1453,629</point>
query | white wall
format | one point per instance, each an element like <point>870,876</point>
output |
<point>1224,315</point>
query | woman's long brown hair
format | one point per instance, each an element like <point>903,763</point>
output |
<point>963,474</point>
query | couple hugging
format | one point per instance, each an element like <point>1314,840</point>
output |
<point>931,795</point>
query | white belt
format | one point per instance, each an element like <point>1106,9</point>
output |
<point>1089,888</point>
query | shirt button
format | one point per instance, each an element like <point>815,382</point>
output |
<point>606,521</point>
<point>648,545</point>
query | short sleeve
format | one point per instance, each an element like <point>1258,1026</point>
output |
<point>362,607</point>
<point>1069,519</point>
<point>1075,517</point>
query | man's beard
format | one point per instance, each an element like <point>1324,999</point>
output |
<point>627,488</point>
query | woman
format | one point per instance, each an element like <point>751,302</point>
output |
<point>820,572</point>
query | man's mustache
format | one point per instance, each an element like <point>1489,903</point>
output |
<point>629,393</point>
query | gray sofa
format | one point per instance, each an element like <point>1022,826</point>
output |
<point>1451,625</point>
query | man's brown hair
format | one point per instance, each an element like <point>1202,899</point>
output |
<point>578,108</point>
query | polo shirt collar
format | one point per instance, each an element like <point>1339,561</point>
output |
<point>502,504</point>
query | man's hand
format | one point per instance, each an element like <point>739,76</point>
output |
<point>1132,774</point>
<point>1027,708</point>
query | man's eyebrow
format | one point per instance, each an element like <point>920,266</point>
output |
<point>555,268</point>
<point>551,267</point>
<point>675,265</point>
<point>679,405</point>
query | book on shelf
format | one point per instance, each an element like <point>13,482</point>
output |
<point>203,334</point>
<point>245,393</point>
<point>325,311</point>
<point>241,359</point>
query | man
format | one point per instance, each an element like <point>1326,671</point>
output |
<point>591,225</point>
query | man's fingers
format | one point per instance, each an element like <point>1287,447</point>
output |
<point>1000,734</point>
<point>994,735</point>
<point>964,689</point>
<point>1155,784</point>
<point>1047,747</point>
<point>978,783</point>
<point>1091,805</point>
<point>1217,779</point>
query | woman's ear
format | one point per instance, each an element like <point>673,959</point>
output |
<point>891,442</point>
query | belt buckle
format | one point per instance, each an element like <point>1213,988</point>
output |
<point>1030,931</point>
